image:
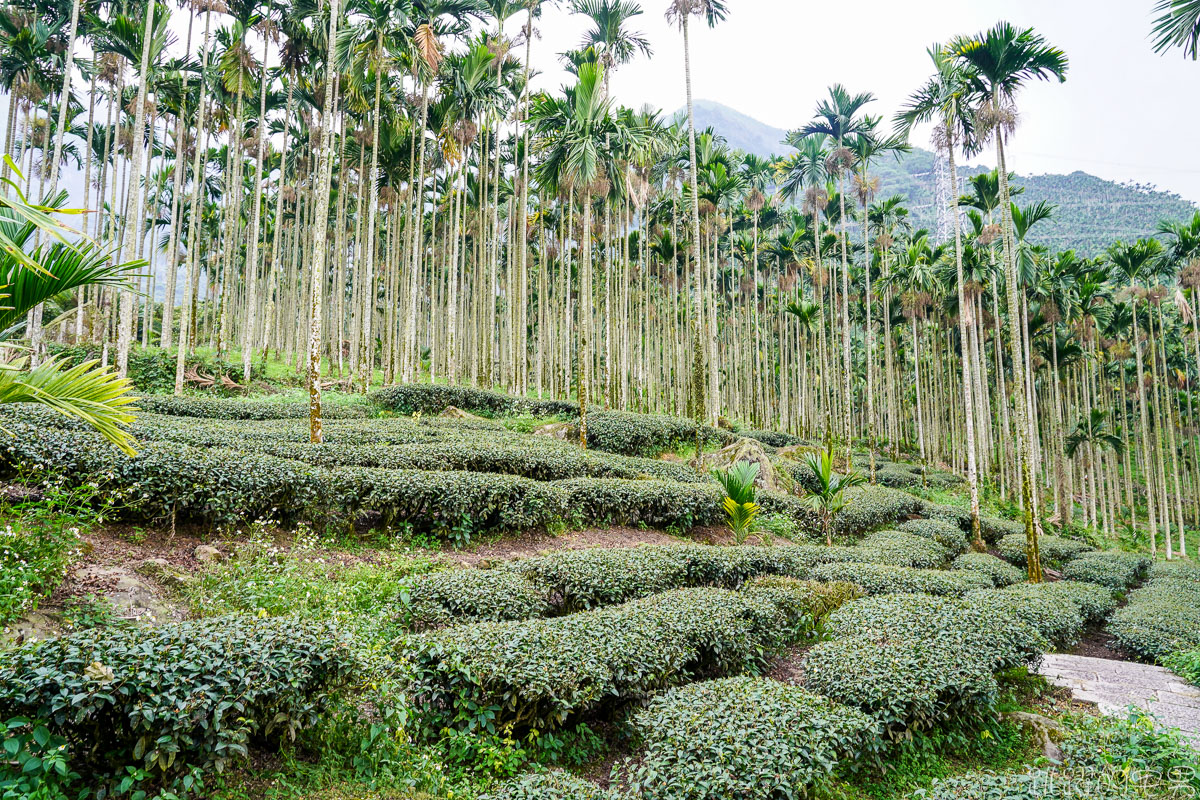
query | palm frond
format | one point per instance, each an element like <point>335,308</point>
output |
<point>87,392</point>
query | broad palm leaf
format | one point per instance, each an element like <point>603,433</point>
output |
<point>1178,25</point>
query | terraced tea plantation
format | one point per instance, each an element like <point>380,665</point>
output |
<point>442,600</point>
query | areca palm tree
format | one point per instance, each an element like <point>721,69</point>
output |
<point>1138,262</point>
<point>615,44</point>
<point>1177,25</point>
<point>581,139</point>
<point>942,98</point>
<point>998,63</point>
<point>680,13</point>
<point>839,117</point>
<point>1092,435</point>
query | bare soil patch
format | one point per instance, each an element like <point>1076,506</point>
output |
<point>789,667</point>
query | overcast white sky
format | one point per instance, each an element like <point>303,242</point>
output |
<point>1124,113</point>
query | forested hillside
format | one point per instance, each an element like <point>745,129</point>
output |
<point>1092,212</point>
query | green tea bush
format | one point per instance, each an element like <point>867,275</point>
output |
<point>631,434</point>
<point>997,638</point>
<point>904,550</point>
<point>906,683</point>
<point>425,398</point>
<point>955,515</point>
<point>477,595</point>
<point>657,503</point>
<point>805,604</point>
<point>993,529</point>
<point>233,408</point>
<point>1163,616</point>
<point>1058,611</point>
<point>774,438</point>
<point>175,698</point>
<point>916,662</point>
<point>1117,571</point>
<point>999,571</point>
<point>536,674</point>
<point>1134,752</point>
<point>583,579</point>
<point>888,579</point>
<point>867,508</point>
<point>153,369</point>
<point>743,737</point>
<point>1186,664</point>
<point>947,534</point>
<point>1055,550</point>
<point>555,785</point>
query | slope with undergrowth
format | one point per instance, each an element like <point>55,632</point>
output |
<point>364,662</point>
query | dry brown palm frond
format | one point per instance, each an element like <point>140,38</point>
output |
<point>993,117</point>
<point>865,187</point>
<point>839,160</point>
<point>1183,306</point>
<point>428,46</point>
<point>989,234</point>
<point>815,200</point>
<point>1189,276</point>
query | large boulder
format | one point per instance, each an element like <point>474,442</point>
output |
<point>745,450</point>
<point>564,431</point>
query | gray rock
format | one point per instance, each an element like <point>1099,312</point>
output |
<point>745,450</point>
<point>206,553</point>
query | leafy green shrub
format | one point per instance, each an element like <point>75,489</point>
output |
<point>1186,664</point>
<point>904,682</point>
<point>947,534</point>
<point>867,508</point>
<point>152,369</point>
<point>774,438</point>
<point>428,398</point>
<point>537,673</point>
<point>1001,573</point>
<point>1163,616</point>
<point>805,604</point>
<point>955,515</point>
<point>446,502</point>
<point>743,737</point>
<point>1117,571</point>
<point>493,595</point>
<point>659,504</point>
<point>1134,752</point>
<point>583,579</point>
<point>903,550</point>
<point>916,662</point>
<point>1055,550</point>
<point>888,579</point>
<point>553,785</point>
<point>632,434</point>
<point>176,697</point>
<point>993,529</point>
<point>1058,611</point>
<point>241,409</point>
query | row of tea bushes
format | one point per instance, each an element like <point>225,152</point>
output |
<point>233,408</point>
<point>536,674</point>
<point>173,700</point>
<point>219,485</point>
<point>427,398</point>
<point>621,432</point>
<point>577,580</point>
<point>998,570</point>
<point>743,737</point>
<point>1163,616</point>
<point>1055,550</point>
<point>915,662</point>
<point>1117,571</point>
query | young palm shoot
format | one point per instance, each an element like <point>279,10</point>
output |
<point>829,498</point>
<point>740,509</point>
